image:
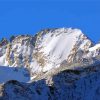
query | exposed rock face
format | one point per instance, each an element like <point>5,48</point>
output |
<point>55,64</point>
<point>47,50</point>
<point>3,42</point>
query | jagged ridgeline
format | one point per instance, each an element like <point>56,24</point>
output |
<point>49,49</point>
<point>54,64</point>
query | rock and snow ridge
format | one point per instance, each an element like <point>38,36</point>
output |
<point>66,85</point>
<point>55,64</point>
<point>47,50</point>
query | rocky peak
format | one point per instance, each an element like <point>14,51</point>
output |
<point>3,42</point>
<point>47,50</point>
<point>56,64</point>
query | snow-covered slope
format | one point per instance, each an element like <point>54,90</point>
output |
<point>66,85</point>
<point>48,50</point>
<point>12,73</point>
<point>55,64</point>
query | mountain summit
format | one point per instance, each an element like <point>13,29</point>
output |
<point>55,64</point>
<point>47,50</point>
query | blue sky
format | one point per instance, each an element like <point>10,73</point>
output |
<point>30,16</point>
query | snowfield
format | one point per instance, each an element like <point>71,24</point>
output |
<point>11,73</point>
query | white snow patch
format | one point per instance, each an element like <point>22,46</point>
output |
<point>95,47</point>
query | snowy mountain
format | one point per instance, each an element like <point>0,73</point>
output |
<point>55,60</point>
<point>66,85</point>
<point>49,49</point>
